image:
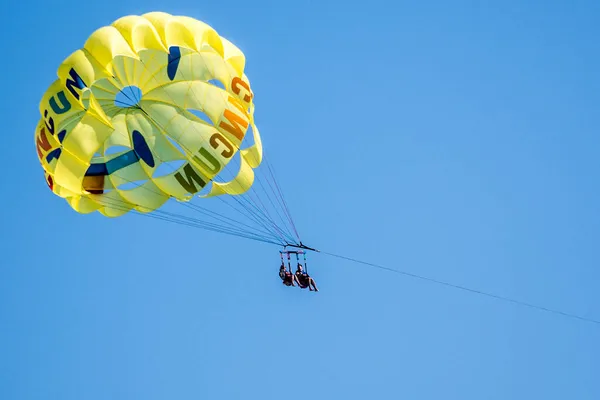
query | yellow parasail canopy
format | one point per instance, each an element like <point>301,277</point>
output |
<point>145,92</point>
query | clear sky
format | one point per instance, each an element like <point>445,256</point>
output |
<point>456,140</point>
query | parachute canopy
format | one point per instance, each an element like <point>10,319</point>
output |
<point>152,107</point>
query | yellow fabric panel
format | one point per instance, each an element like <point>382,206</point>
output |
<point>147,197</point>
<point>234,56</point>
<point>169,118</point>
<point>124,71</point>
<point>205,37</point>
<point>139,33</point>
<point>196,95</point>
<point>153,72</point>
<point>69,172</point>
<point>253,154</point>
<point>119,138</point>
<point>129,89</point>
<point>238,185</point>
<point>112,204</point>
<point>162,148</point>
<point>86,138</point>
<point>172,31</point>
<point>94,109</point>
<point>104,92</point>
<point>194,138</point>
<point>84,205</point>
<point>62,192</point>
<point>88,68</point>
<point>105,44</point>
<point>132,174</point>
<point>192,66</point>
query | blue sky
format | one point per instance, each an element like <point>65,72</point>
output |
<point>456,140</point>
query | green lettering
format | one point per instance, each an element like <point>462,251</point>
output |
<point>191,176</point>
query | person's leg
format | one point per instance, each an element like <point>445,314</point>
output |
<point>305,283</point>
<point>308,282</point>
<point>311,281</point>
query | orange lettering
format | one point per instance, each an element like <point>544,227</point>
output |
<point>235,86</point>
<point>42,143</point>
<point>236,123</point>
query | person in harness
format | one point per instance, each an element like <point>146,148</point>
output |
<point>287,277</point>
<point>304,280</point>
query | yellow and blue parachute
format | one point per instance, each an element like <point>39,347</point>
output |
<point>147,92</point>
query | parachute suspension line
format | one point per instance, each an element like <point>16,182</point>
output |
<point>289,263</point>
<point>260,217</point>
<point>281,205</point>
<point>250,216</point>
<point>267,217</point>
<point>122,207</point>
<point>281,199</point>
<point>273,205</point>
<point>232,231</point>
<point>207,212</point>
<point>249,204</point>
<point>264,213</point>
<point>289,237</point>
<point>467,289</point>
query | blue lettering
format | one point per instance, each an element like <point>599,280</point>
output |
<point>49,122</point>
<point>74,82</point>
<point>53,155</point>
<point>65,105</point>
